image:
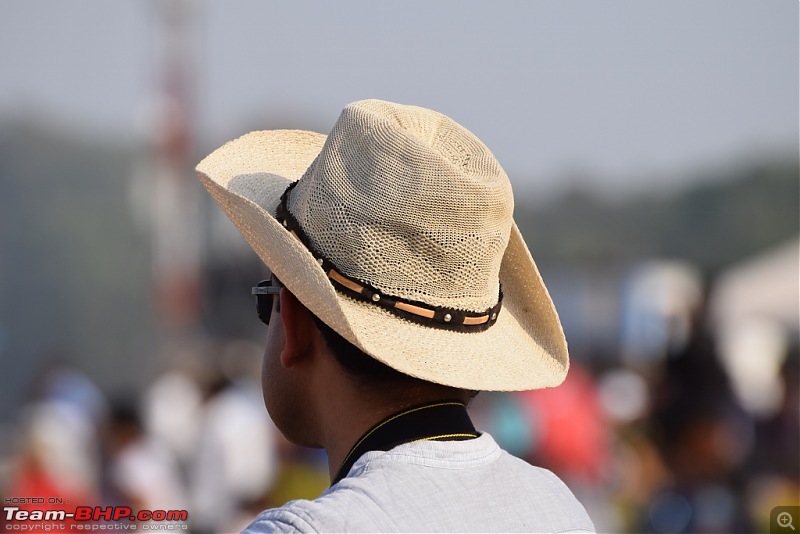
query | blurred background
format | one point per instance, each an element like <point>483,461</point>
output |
<point>653,150</point>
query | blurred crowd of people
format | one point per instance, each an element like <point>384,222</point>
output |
<point>662,447</point>
<point>197,439</point>
<point>652,445</point>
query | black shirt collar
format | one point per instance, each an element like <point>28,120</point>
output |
<point>440,420</point>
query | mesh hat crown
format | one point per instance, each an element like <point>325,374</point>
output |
<point>398,206</point>
<point>410,202</point>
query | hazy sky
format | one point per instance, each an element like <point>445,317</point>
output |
<point>555,88</point>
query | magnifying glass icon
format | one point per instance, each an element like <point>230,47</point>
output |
<point>785,520</point>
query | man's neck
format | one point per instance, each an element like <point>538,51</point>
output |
<point>351,414</point>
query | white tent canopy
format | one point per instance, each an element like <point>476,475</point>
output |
<point>766,287</point>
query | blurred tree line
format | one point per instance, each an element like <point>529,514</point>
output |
<point>75,267</point>
<point>716,221</point>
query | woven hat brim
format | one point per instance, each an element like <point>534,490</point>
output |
<point>525,349</point>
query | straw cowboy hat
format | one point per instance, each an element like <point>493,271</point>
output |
<point>396,230</point>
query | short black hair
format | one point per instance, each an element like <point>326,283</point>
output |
<point>369,373</point>
<point>358,364</point>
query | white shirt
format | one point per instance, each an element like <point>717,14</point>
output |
<point>436,486</point>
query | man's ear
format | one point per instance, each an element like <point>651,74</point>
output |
<point>298,327</point>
